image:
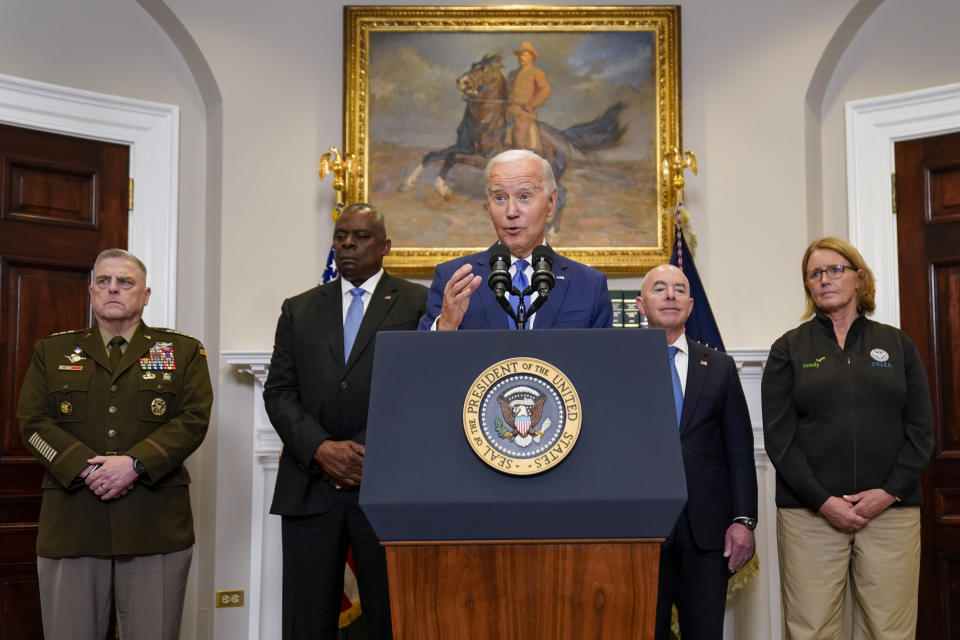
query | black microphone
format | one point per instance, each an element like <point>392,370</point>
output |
<point>499,279</point>
<point>543,278</point>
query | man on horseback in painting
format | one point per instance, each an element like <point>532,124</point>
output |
<point>485,129</point>
<point>529,90</point>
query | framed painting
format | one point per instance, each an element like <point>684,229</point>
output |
<point>432,92</point>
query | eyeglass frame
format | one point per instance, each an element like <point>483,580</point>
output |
<point>817,274</point>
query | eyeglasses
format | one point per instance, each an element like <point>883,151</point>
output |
<point>833,272</point>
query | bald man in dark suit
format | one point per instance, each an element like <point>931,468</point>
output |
<point>714,534</point>
<point>316,395</point>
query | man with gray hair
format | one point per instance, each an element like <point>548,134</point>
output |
<point>521,196</point>
<point>112,412</point>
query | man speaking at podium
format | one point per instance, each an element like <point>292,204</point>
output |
<point>521,194</point>
<point>714,535</point>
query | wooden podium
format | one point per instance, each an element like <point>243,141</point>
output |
<point>474,553</point>
<point>523,590</point>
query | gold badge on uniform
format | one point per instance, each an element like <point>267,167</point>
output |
<point>66,408</point>
<point>149,375</point>
<point>158,407</point>
<point>167,376</point>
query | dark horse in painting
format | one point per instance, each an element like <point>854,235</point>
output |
<point>482,132</point>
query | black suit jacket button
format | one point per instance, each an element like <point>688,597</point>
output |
<point>343,384</point>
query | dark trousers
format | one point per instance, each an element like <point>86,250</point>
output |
<point>695,581</point>
<point>314,553</point>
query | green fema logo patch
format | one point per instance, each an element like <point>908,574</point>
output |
<point>814,364</point>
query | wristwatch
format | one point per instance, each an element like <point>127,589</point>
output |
<point>138,467</point>
<point>749,523</point>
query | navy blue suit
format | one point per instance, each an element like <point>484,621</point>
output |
<point>717,444</point>
<point>579,300</point>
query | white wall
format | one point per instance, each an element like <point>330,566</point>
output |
<point>903,46</point>
<point>743,116</point>
<point>259,86</point>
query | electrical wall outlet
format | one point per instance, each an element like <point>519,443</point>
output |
<point>230,598</point>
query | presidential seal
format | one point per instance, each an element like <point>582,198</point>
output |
<point>522,416</point>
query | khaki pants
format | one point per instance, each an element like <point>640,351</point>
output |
<point>149,590</point>
<point>881,563</point>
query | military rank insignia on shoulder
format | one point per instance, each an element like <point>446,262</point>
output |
<point>522,416</point>
<point>63,333</point>
<point>202,350</point>
<point>173,331</point>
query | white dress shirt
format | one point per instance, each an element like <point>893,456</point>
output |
<point>681,360</point>
<point>368,286</point>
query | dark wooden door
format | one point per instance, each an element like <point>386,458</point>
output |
<point>928,228</point>
<point>62,201</point>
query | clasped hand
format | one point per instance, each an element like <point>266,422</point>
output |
<point>851,512</point>
<point>113,478</point>
<point>342,460</point>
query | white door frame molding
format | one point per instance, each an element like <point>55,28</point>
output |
<point>152,130</point>
<point>873,126</point>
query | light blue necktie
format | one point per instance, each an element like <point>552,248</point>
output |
<point>677,387</point>
<point>352,323</point>
<point>520,283</point>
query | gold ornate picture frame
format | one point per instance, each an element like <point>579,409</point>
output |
<point>430,93</point>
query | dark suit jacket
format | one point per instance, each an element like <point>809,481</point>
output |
<point>311,395</point>
<point>717,443</point>
<point>579,299</point>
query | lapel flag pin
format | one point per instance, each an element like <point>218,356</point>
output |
<point>387,297</point>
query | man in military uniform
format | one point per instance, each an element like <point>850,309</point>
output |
<point>112,412</point>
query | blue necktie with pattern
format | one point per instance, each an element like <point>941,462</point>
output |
<point>677,387</point>
<point>521,283</point>
<point>352,323</point>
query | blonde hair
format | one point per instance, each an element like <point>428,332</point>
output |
<point>866,293</point>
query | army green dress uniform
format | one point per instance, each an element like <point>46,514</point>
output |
<point>155,408</point>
